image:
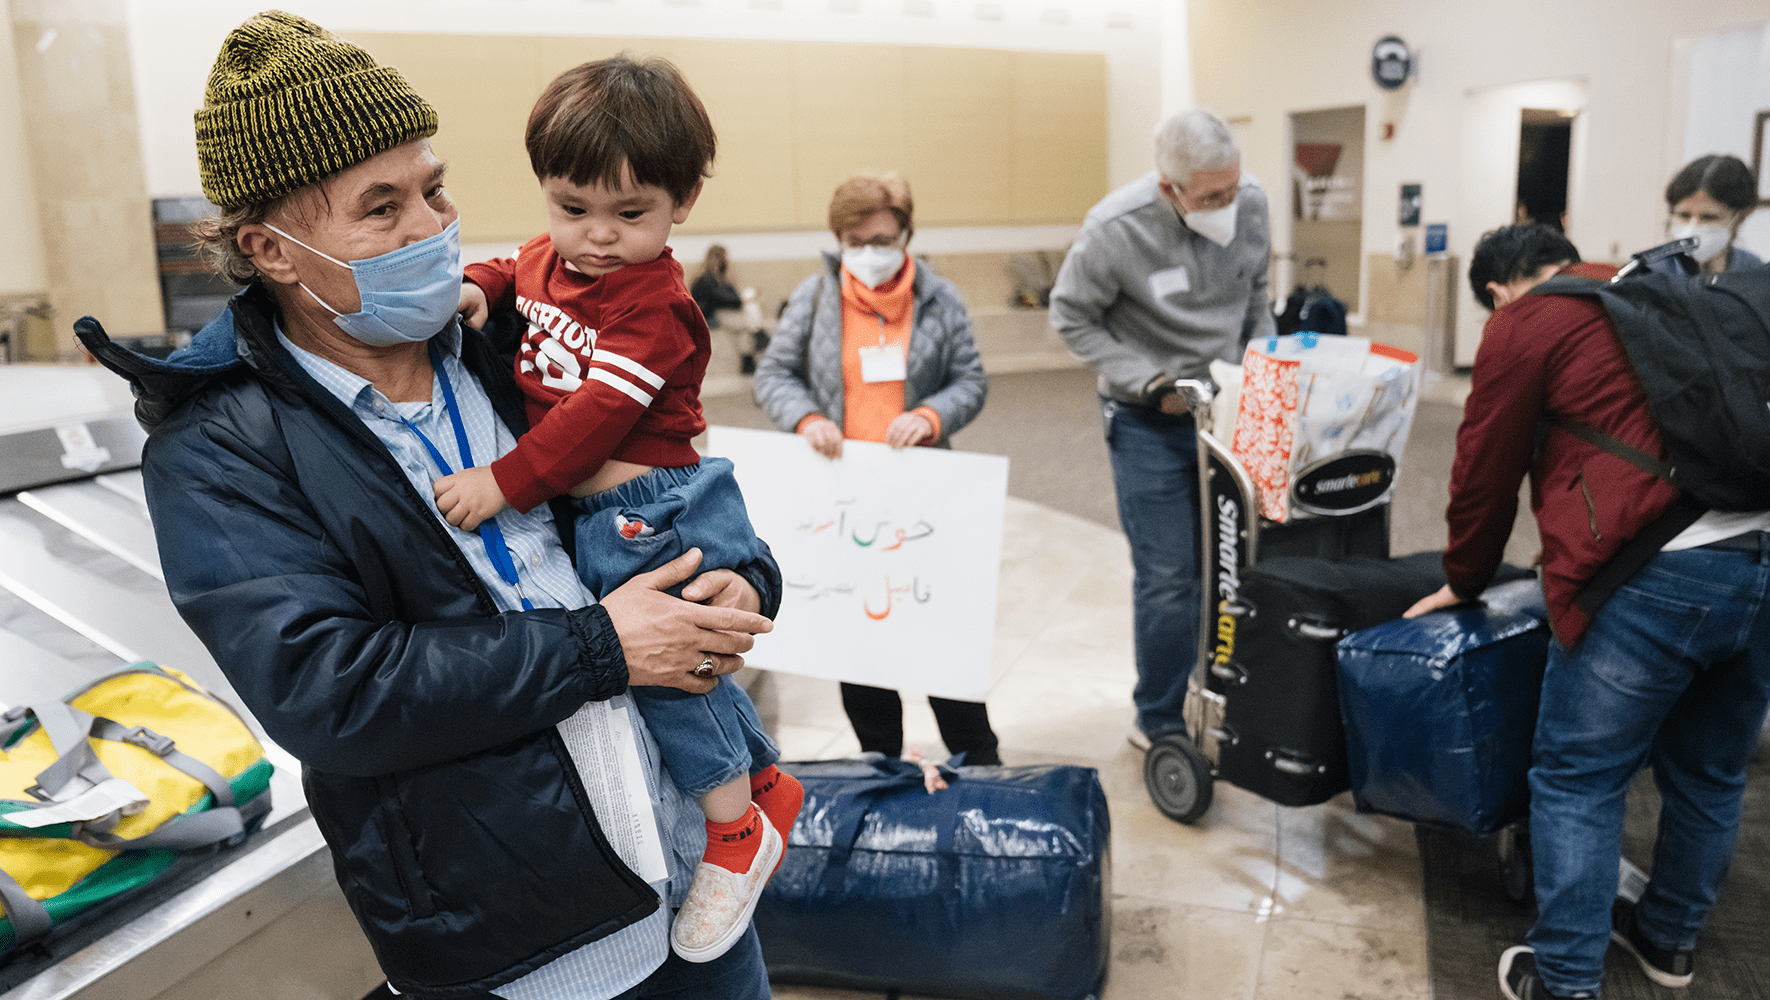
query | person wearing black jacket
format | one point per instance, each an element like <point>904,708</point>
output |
<point>444,691</point>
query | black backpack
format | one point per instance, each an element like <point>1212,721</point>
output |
<point>1700,344</point>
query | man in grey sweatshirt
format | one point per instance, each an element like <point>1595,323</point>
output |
<point>1167,273</point>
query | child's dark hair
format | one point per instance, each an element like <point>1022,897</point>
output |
<point>1726,179</point>
<point>1504,255</point>
<point>595,117</point>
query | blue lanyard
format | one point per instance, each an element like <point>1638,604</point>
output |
<point>489,532</point>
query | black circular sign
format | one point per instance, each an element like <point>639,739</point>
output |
<point>1344,484</point>
<point>1391,62</point>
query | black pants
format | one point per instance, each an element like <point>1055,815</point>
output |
<point>877,717</point>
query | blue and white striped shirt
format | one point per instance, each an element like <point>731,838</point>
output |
<point>616,963</point>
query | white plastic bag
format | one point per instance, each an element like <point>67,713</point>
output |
<point>1306,398</point>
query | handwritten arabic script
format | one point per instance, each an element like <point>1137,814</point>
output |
<point>859,528</point>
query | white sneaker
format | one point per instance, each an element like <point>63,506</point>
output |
<point>1138,739</point>
<point>720,903</point>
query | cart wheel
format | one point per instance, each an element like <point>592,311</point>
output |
<point>1178,778</point>
<point>1516,870</point>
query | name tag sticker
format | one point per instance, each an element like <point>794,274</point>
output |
<point>882,364</point>
<point>1170,282</point>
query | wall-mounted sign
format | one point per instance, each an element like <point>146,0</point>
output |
<point>1409,214</point>
<point>1391,62</point>
<point>1437,237</point>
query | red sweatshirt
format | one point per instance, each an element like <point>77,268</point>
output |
<point>611,366</point>
<point>1551,356</point>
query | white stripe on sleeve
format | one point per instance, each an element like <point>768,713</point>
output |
<point>628,365</point>
<point>640,396</point>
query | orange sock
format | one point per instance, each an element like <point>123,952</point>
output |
<point>778,794</point>
<point>733,846</point>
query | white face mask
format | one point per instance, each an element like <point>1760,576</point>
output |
<point>1216,225</point>
<point>1711,240</point>
<point>873,266</point>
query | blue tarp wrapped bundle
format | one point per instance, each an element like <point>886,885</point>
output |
<point>995,888</point>
<point>1440,711</point>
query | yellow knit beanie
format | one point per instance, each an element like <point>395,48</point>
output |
<point>289,103</point>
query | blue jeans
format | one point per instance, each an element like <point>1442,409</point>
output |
<point>1674,673</point>
<point>705,740</point>
<point>1155,473</point>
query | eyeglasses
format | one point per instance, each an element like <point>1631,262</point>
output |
<point>881,242</point>
<point>1213,201</point>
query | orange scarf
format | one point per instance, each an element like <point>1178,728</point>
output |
<point>874,317</point>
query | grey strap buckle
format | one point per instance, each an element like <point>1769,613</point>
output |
<point>148,740</point>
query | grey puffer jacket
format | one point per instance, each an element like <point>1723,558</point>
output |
<point>802,372</point>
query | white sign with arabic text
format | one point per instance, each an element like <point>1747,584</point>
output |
<point>889,559</point>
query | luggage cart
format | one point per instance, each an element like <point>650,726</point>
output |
<point>1331,520</point>
<point>1179,768</point>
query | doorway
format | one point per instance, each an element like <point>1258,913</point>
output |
<point>1545,143</point>
<point>1490,141</point>
<point>1327,202</point>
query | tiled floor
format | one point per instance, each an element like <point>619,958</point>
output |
<point>1255,902</point>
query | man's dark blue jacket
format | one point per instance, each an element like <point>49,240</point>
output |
<point>353,627</point>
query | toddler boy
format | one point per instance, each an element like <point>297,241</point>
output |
<point>611,365</point>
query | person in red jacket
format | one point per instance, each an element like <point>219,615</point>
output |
<point>611,367</point>
<point>1670,669</point>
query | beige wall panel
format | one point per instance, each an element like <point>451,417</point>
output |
<point>1397,293</point>
<point>747,88</point>
<point>848,116</point>
<point>959,134</point>
<point>1059,135</point>
<point>482,87</point>
<point>985,137</point>
<point>78,103</point>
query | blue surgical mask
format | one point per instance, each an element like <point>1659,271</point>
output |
<point>408,294</point>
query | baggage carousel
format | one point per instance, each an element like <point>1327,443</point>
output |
<point>80,596</point>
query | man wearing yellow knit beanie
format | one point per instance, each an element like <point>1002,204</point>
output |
<point>453,697</point>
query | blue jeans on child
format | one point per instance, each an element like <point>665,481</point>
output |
<point>1673,673</point>
<point>1155,473</point>
<point>706,740</point>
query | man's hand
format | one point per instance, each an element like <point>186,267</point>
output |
<point>908,429</point>
<point>474,308</point>
<point>824,436</point>
<point>665,638</point>
<point>722,588</point>
<point>1443,597</point>
<point>469,497</point>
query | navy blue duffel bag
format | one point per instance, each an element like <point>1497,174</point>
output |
<point>995,888</point>
<point>1440,711</point>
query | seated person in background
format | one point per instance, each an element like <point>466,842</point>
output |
<point>876,347</point>
<point>1670,670</point>
<point>611,367</point>
<point>1708,199</point>
<point>714,294</point>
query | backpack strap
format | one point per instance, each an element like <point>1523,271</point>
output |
<point>1628,453</point>
<point>164,748</point>
<point>30,918</point>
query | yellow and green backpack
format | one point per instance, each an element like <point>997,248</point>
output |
<point>101,792</point>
